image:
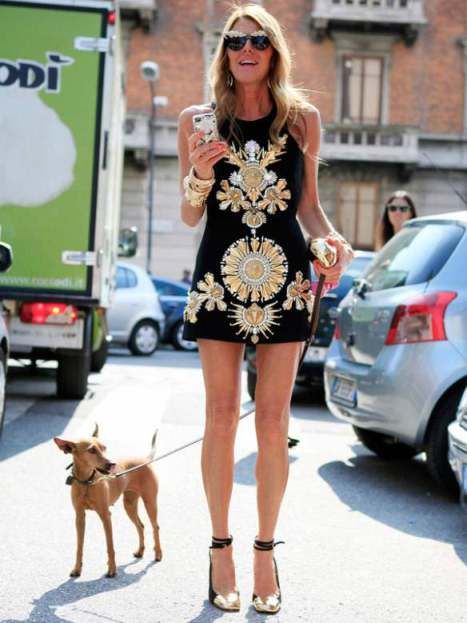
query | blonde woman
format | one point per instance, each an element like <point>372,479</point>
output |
<point>251,279</point>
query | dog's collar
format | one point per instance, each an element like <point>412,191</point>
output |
<point>72,477</point>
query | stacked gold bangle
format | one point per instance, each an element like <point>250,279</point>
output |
<point>196,190</point>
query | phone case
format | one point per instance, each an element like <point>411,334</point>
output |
<point>207,124</point>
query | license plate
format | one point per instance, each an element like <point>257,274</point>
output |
<point>316,354</point>
<point>344,389</point>
<point>47,335</point>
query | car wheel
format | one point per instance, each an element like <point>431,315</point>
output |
<point>177,339</point>
<point>144,338</point>
<point>384,446</point>
<point>437,442</point>
<point>251,384</point>
<point>2,388</point>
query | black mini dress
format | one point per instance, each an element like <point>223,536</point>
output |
<point>251,281</point>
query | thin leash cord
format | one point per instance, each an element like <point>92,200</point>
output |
<point>163,456</point>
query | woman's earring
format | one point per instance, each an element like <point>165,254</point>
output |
<point>269,83</point>
<point>229,80</point>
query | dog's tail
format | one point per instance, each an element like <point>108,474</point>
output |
<point>152,452</point>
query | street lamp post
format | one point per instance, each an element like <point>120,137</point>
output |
<point>150,72</point>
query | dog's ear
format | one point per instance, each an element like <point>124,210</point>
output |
<point>64,445</point>
<point>96,431</point>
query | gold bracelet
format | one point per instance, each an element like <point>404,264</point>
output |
<point>199,183</point>
<point>195,197</point>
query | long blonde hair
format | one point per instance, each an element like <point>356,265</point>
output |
<point>291,101</point>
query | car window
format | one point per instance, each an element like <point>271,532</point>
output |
<point>169,289</point>
<point>131,278</point>
<point>126,278</point>
<point>415,255</point>
<point>121,278</point>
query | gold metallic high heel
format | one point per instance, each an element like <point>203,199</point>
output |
<point>231,601</point>
<point>272,603</point>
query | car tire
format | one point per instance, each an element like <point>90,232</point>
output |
<point>177,338</point>
<point>437,444</point>
<point>385,446</point>
<point>251,383</point>
<point>3,370</point>
<point>144,338</point>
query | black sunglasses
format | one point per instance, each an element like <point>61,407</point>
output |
<point>236,40</point>
<point>394,208</point>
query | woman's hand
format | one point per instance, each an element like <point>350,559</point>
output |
<point>203,156</point>
<point>345,255</point>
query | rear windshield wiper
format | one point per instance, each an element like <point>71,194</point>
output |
<point>361,287</point>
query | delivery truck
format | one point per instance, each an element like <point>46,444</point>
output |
<point>61,151</point>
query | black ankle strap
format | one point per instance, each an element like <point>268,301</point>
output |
<point>219,543</point>
<point>265,546</point>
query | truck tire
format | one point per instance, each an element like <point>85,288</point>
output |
<point>2,388</point>
<point>144,338</point>
<point>99,356</point>
<point>384,446</point>
<point>437,442</point>
<point>72,376</point>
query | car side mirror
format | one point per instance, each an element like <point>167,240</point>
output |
<point>127,242</point>
<point>6,257</point>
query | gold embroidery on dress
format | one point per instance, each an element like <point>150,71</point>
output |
<point>255,268</point>
<point>299,293</point>
<point>253,187</point>
<point>212,295</point>
<point>254,320</point>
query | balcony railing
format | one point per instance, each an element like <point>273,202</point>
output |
<point>398,144</point>
<point>405,16</point>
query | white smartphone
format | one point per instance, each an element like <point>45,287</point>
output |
<point>207,124</point>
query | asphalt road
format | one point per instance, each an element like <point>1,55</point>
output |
<point>366,540</point>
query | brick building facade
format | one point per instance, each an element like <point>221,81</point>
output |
<point>388,76</point>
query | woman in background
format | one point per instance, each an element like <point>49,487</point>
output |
<point>399,208</point>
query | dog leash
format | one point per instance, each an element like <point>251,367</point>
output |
<point>326,255</point>
<point>70,478</point>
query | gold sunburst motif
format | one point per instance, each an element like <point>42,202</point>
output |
<point>254,267</point>
<point>212,295</point>
<point>254,320</point>
<point>299,293</point>
<point>253,187</point>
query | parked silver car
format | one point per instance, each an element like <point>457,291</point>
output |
<point>398,363</point>
<point>135,316</point>
<point>457,433</point>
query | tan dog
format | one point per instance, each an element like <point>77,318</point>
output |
<point>94,488</point>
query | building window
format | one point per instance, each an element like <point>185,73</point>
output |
<point>356,213</point>
<point>362,89</point>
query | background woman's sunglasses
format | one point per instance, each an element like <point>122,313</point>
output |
<point>394,208</point>
<point>235,40</point>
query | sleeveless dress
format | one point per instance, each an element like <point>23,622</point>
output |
<point>251,281</point>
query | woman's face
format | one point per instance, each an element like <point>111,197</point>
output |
<point>398,212</point>
<point>249,65</point>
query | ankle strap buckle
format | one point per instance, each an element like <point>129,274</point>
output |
<point>220,543</point>
<point>266,545</point>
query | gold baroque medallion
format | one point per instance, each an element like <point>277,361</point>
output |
<point>212,295</point>
<point>254,320</point>
<point>254,267</point>
<point>253,187</point>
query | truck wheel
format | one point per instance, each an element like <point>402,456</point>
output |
<point>384,446</point>
<point>99,356</point>
<point>72,376</point>
<point>437,442</point>
<point>177,338</point>
<point>251,384</point>
<point>144,338</point>
<point>2,388</point>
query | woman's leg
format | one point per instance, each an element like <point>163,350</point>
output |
<point>276,366</point>
<point>221,363</point>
